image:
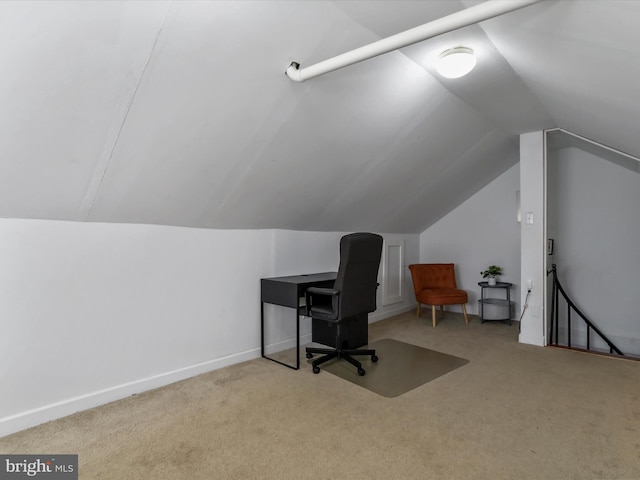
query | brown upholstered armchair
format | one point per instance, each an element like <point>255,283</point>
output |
<point>435,284</point>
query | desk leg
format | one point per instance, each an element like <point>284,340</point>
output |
<point>262,351</point>
<point>262,329</point>
<point>297,338</point>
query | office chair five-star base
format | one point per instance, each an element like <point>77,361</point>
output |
<point>330,354</point>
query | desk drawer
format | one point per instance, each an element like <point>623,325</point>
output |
<point>279,293</point>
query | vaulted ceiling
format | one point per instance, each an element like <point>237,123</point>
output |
<point>179,112</point>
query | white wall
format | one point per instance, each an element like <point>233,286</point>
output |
<point>482,231</point>
<point>595,222</point>
<point>95,312</point>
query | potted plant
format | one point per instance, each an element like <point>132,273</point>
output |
<point>491,273</point>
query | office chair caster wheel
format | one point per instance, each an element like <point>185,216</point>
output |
<point>374,358</point>
<point>309,355</point>
<point>361,372</point>
<point>316,369</point>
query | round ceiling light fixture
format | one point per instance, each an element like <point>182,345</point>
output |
<point>456,62</point>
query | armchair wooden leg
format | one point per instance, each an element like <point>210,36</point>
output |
<point>464,312</point>
<point>441,311</point>
<point>433,315</point>
<point>418,309</point>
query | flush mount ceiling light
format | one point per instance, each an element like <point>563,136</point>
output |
<point>463,18</point>
<point>456,62</point>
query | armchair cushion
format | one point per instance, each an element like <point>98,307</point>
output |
<point>441,296</point>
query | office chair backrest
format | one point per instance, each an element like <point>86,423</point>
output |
<point>357,277</point>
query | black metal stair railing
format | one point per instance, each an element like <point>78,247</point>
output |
<point>555,320</point>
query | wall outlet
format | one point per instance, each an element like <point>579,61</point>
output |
<point>529,218</point>
<point>529,284</point>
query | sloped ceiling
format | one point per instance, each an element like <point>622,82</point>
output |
<point>179,113</point>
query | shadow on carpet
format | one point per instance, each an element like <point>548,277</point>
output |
<point>401,367</point>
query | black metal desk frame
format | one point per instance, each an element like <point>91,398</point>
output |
<point>286,292</point>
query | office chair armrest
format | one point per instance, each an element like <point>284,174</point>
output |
<point>322,291</point>
<point>327,300</point>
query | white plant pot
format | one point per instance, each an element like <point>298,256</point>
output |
<point>492,280</point>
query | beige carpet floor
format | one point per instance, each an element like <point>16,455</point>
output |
<point>513,412</point>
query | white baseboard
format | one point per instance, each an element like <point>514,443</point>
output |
<point>31,418</point>
<point>47,413</point>
<point>537,340</point>
<point>377,316</point>
<point>286,344</point>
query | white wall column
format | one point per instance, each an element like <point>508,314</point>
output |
<point>532,266</point>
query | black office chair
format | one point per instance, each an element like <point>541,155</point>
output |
<point>353,293</point>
